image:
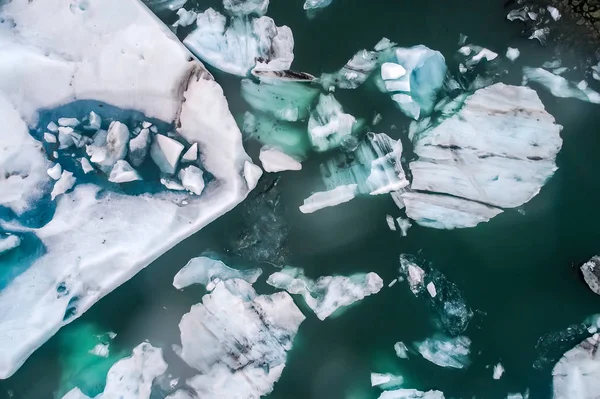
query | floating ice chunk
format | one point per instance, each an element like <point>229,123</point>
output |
<point>577,373</point>
<point>591,273</point>
<point>236,47</point>
<point>411,394</point>
<point>313,4</point>
<point>100,350</point>
<point>498,371</point>
<point>122,172</point>
<point>209,272</point>
<point>138,147</point>
<point>55,172</point>
<point>540,35</point>
<point>86,165</point>
<point>390,222</point>
<point>401,350</point>
<point>9,242</point>
<point>68,122</point>
<point>94,122</point>
<point>252,174</point>
<point>185,18</point>
<point>165,152</point>
<point>63,184</point>
<point>325,199</point>
<point>445,351</point>
<point>52,127</point>
<point>431,289</point>
<point>386,381</point>
<point>49,138</point>
<point>389,70</point>
<point>109,147</point>
<point>284,99</point>
<point>238,340</point>
<point>476,53</point>
<point>512,53</point>
<point>404,225</point>
<point>246,7</point>
<point>554,13</point>
<point>192,179</point>
<point>327,294</point>
<point>276,161</point>
<point>356,71</point>
<point>559,86</point>
<point>328,125</point>
<point>191,155</point>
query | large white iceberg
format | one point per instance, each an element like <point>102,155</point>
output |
<point>238,341</point>
<point>577,373</point>
<point>496,152</point>
<point>115,52</point>
<point>327,294</point>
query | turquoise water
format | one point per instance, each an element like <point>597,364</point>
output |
<point>518,272</point>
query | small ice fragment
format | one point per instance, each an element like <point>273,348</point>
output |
<point>252,174</point>
<point>52,127</point>
<point>65,137</point>
<point>64,184</point>
<point>49,138</point>
<point>390,70</point>
<point>376,119</point>
<point>186,18</point>
<point>559,86</point>
<point>191,155</point>
<point>540,35</point>
<point>165,152</point>
<point>445,351</point>
<point>512,53</point>
<point>138,147</point>
<point>560,71</point>
<point>554,13</point>
<point>192,179</point>
<point>462,68</point>
<point>122,172</point>
<point>94,122</point>
<point>8,243</point>
<point>100,350</point>
<point>171,184</point>
<point>325,199</point>
<point>465,50</point>
<point>314,4</point>
<point>55,171</point>
<point>383,44</point>
<point>390,222</point>
<point>86,165</point>
<point>431,289</point>
<point>146,125</point>
<point>462,39</point>
<point>533,16</point>
<point>401,350</point>
<point>392,283</point>
<point>276,161</point>
<point>498,371</point>
<point>404,224</point>
<point>204,270</point>
<point>68,122</point>
<point>386,379</point>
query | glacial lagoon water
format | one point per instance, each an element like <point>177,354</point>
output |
<point>519,272</point>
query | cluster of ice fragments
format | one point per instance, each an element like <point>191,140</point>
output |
<point>115,52</point>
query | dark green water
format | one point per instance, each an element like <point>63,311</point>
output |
<point>519,272</point>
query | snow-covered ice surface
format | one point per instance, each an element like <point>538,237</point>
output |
<point>117,53</point>
<point>132,377</point>
<point>496,152</point>
<point>237,340</point>
<point>206,271</point>
<point>327,294</point>
<point>445,351</point>
<point>577,373</point>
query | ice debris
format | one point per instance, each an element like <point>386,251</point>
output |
<point>445,351</point>
<point>276,161</point>
<point>63,184</point>
<point>185,18</point>
<point>132,377</point>
<point>191,155</point>
<point>411,394</point>
<point>237,45</point>
<point>325,199</point>
<point>238,340</point>
<point>498,371</point>
<point>496,151</point>
<point>192,179</point>
<point>329,127</point>
<point>512,53</point>
<point>559,86</point>
<point>327,294</point>
<point>208,272</point>
<point>246,7</point>
<point>162,5</point>
<point>577,373</point>
<point>122,172</point>
<point>401,350</point>
<point>386,381</point>
<point>86,166</point>
<point>591,273</point>
<point>165,152</point>
<point>8,243</point>
<point>252,174</point>
<point>93,122</point>
<point>404,225</point>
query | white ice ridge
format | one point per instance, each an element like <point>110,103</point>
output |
<point>208,272</point>
<point>577,373</point>
<point>117,52</point>
<point>559,86</point>
<point>276,161</point>
<point>445,351</point>
<point>327,294</point>
<point>238,341</point>
<point>411,394</point>
<point>132,377</point>
<point>238,45</point>
<point>496,152</point>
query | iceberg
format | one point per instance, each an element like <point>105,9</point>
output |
<point>112,147</point>
<point>591,273</point>
<point>138,147</point>
<point>329,127</point>
<point>132,377</point>
<point>63,184</point>
<point>512,53</point>
<point>246,7</point>
<point>411,394</point>
<point>237,45</point>
<point>577,373</point>
<point>162,5</point>
<point>276,161</point>
<point>88,62</point>
<point>191,155</point>
<point>192,179</point>
<point>446,352</point>
<point>122,172</point>
<point>238,340</point>
<point>312,4</point>
<point>327,294</point>
<point>185,18</point>
<point>386,381</point>
<point>209,272</point>
<point>559,86</point>
<point>165,152</point>
<point>55,172</point>
<point>498,371</point>
<point>497,151</point>
<point>325,199</point>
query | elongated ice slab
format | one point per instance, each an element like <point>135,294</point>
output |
<point>117,53</point>
<point>237,45</point>
<point>445,351</point>
<point>591,273</point>
<point>237,340</point>
<point>325,199</point>
<point>327,294</point>
<point>208,272</point>
<point>411,394</point>
<point>577,373</point>
<point>559,86</point>
<point>276,161</point>
<point>122,172</point>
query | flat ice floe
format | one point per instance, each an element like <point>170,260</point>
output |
<point>238,340</point>
<point>411,394</point>
<point>208,272</point>
<point>327,294</point>
<point>446,351</point>
<point>115,53</point>
<point>577,373</point>
<point>497,151</point>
